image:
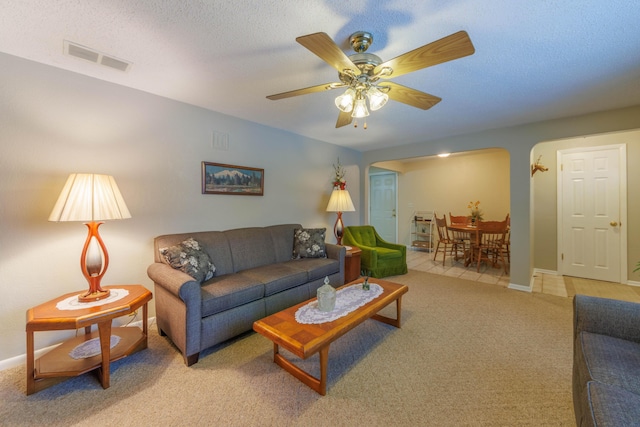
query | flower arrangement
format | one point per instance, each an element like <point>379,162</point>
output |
<point>338,180</point>
<point>476,212</point>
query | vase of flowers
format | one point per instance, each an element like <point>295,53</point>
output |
<point>476,212</point>
<point>338,179</point>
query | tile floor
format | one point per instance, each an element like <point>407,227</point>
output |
<point>423,261</point>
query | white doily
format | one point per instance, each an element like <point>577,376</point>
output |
<point>347,300</point>
<point>72,302</point>
<point>91,348</point>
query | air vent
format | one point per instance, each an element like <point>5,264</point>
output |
<point>92,55</point>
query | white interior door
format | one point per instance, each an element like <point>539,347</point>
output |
<point>590,199</point>
<point>382,200</point>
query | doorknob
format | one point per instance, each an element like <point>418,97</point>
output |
<point>394,213</point>
<point>613,223</point>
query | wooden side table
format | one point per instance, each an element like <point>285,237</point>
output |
<point>57,365</point>
<point>352,264</point>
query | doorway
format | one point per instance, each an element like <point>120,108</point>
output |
<point>383,204</point>
<point>592,212</point>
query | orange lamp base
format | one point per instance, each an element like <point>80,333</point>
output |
<point>95,270</point>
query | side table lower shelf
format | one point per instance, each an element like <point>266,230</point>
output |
<point>58,362</point>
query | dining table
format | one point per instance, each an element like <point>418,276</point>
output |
<point>470,234</point>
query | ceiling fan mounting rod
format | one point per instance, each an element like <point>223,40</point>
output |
<point>361,40</point>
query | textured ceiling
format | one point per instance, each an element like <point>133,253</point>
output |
<point>534,60</point>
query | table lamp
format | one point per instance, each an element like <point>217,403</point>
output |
<point>339,202</point>
<point>93,199</point>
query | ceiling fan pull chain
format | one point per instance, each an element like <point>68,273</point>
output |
<point>355,124</point>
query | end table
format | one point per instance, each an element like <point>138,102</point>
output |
<point>58,365</point>
<point>352,264</point>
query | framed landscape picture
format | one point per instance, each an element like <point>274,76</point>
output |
<point>218,178</point>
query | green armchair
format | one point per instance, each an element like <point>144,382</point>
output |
<point>379,258</point>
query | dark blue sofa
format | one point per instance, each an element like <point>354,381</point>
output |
<point>606,362</point>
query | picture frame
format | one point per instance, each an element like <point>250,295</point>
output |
<point>220,178</point>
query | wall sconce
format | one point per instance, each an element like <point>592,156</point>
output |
<point>537,166</point>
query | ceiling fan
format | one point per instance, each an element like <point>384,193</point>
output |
<point>364,74</point>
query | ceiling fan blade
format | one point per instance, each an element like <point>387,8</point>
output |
<point>306,90</point>
<point>454,46</point>
<point>322,45</point>
<point>343,119</point>
<point>409,96</point>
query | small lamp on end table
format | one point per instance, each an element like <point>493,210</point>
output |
<point>91,198</point>
<point>339,202</point>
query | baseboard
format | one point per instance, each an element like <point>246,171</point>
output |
<point>633,283</point>
<point>22,359</point>
<point>520,287</point>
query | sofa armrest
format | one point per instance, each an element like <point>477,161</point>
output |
<point>618,319</point>
<point>178,308</point>
<point>338,253</point>
<point>334,251</point>
<point>175,281</point>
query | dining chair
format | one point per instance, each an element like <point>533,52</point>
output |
<point>461,219</point>
<point>462,238</point>
<point>506,247</point>
<point>449,246</point>
<point>489,243</point>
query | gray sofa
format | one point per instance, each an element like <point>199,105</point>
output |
<point>255,276</point>
<point>606,362</point>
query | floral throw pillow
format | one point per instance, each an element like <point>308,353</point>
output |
<point>309,243</point>
<point>188,257</point>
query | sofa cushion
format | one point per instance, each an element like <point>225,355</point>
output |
<point>309,243</point>
<point>189,257</point>
<point>316,267</point>
<point>250,247</point>
<point>282,236</point>
<point>229,291</point>
<point>277,277</point>
<point>612,406</point>
<point>609,360</point>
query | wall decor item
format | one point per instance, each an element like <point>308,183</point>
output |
<point>218,178</point>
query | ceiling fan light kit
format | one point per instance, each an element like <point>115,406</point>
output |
<point>377,98</point>
<point>345,101</point>
<point>360,108</point>
<point>361,72</point>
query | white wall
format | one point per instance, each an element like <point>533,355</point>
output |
<point>54,122</point>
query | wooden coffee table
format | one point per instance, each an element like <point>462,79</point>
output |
<point>304,340</point>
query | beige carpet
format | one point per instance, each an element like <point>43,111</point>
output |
<point>468,354</point>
